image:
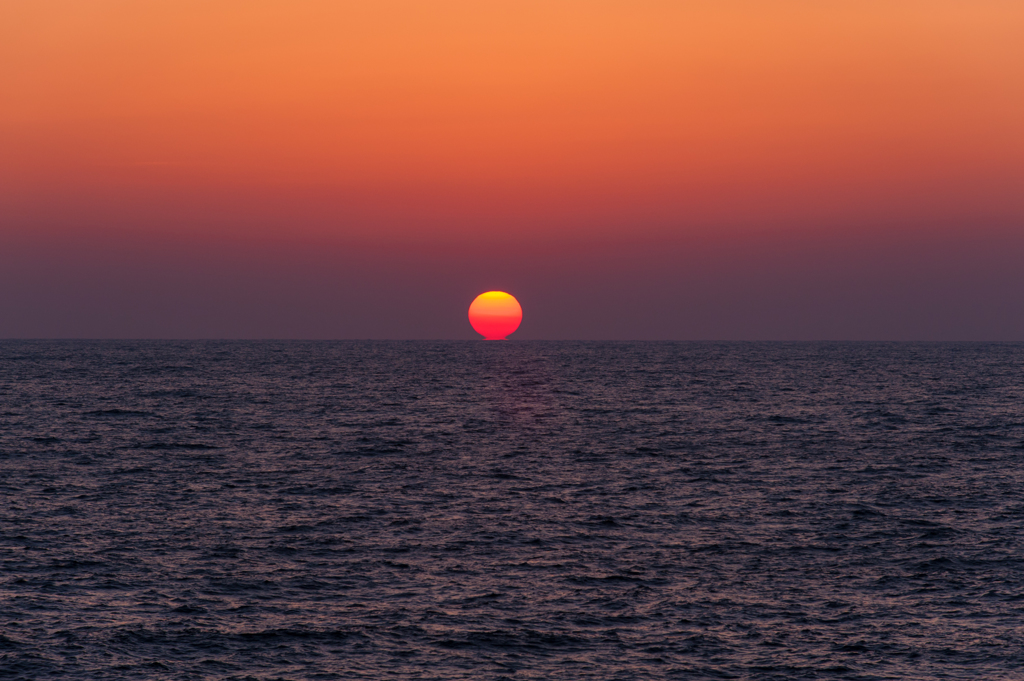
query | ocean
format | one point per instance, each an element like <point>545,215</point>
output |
<point>511,510</point>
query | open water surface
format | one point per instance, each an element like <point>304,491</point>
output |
<point>519,510</point>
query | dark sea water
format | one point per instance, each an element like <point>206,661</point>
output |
<point>518,510</point>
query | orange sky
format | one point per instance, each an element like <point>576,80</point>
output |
<point>468,107</point>
<point>398,121</point>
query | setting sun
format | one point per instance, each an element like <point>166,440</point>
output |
<point>495,314</point>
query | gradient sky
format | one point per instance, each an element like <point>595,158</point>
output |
<point>627,169</point>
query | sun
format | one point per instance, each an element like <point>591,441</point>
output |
<point>495,314</point>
